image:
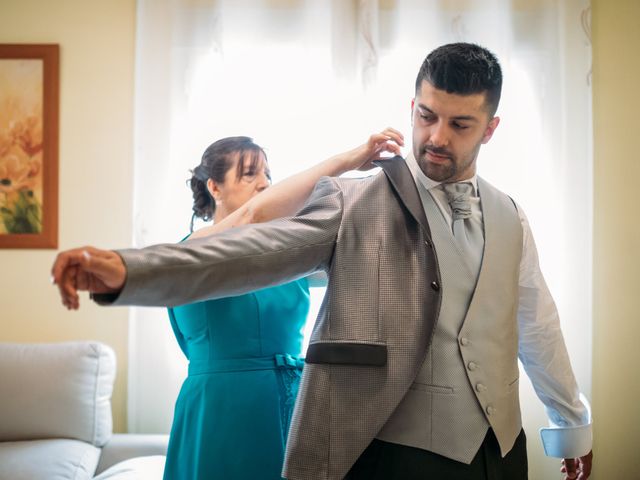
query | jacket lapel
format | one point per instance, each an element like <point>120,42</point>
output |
<point>404,185</point>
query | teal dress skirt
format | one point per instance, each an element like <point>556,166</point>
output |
<point>233,411</point>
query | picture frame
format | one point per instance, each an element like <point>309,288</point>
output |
<point>29,117</point>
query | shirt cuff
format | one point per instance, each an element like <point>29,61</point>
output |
<point>568,442</point>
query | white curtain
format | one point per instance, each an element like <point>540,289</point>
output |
<point>310,78</point>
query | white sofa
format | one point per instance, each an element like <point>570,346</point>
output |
<point>55,415</point>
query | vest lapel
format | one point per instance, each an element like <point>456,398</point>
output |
<point>496,220</point>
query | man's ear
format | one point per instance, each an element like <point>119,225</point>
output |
<point>214,190</point>
<point>413,102</point>
<point>488,133</point>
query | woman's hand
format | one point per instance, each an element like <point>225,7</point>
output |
<point>361,158</point>
<point>288,196</point>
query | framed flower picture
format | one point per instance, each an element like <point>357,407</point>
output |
<point>29,90</point>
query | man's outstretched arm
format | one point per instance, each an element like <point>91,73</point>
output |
<point>230,263</point>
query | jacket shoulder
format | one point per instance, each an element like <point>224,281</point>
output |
<point>359,185</point>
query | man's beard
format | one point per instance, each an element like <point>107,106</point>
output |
<point>453,167</point>
<point>435,171</point>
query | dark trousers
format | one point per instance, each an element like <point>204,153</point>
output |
<point>390,461</point>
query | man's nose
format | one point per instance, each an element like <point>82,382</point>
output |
<point>440,135</point>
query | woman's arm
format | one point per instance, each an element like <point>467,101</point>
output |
<point>288,196</point>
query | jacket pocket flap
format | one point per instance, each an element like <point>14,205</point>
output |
<point>347,353</point>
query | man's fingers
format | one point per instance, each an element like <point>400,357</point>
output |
<point>585,466</point>
<point>578,468</point>
<point>62,261</point>
<point>69,258</point>
<point>83,281</point>
<point>67,287</point>
<point>86,268</point>
<point>95,263</point>
<point>106,267</point>
<point>569,468</point>
<point>74,257</point>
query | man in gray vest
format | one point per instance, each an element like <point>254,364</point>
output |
<point>434,293</point>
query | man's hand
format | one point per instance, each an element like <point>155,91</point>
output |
<point>87,268</point>
<point>577,468</point>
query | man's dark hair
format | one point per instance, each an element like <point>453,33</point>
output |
<point>463,69</point>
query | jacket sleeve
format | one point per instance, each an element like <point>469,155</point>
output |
<point>235,261</point>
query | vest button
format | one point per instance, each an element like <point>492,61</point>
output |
<point>428,243</point>
<point>472,366</point>
<point>480,387</point>
<point>490,410</point>
<point>435,286</point>
<point>464,341</point>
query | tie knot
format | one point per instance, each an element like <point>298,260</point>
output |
<point>458,197</point>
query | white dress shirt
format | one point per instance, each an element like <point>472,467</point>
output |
<point>541,346</point>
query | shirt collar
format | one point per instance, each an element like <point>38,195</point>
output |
<point>426,182</point>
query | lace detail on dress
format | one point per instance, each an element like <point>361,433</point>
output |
<point>289,373</point>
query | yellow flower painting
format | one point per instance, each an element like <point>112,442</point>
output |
<point>21,141</point>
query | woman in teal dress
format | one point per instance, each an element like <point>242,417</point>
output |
<point>233,412</point>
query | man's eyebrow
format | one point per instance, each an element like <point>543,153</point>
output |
<point>468,118</point>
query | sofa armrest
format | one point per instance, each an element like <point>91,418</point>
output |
<point>123,446</point>
<point>57,390</point>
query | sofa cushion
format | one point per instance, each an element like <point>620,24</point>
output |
<point>139,468</point>
<point>128,445</point>
<point>59,459</point>
<point>60,390</point>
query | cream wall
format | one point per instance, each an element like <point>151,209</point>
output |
<point>616,292</point>
<point>96,156</point>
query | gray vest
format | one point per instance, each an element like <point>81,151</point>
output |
<point>469,378</point>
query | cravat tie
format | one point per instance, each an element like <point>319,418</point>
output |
<point>467,235</point>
